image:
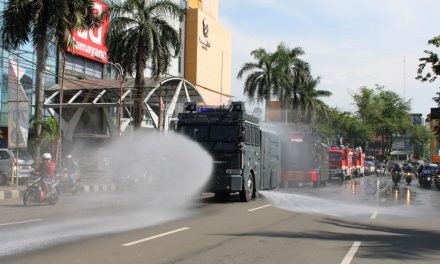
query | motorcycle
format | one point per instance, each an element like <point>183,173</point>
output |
<point>380,172</point>
<point>408,178</point>
<point>34,192</point>
<point>425,179</point>
<point>396,177</point>
<point>437,181</point>
<point>70,182</point>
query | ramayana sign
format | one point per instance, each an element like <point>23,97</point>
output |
<point>90,43</point>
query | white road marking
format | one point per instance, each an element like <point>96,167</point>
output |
<point>261,207</point>
<point>350,254</point>
<point>156,236</point>
<point>374,215</point>
<point>22,222</point>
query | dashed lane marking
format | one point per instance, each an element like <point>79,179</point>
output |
<point>350,254</point>
<point>154,237</point>
<point>374,215</point>
<point>22,222</point>
<point>258,208</point>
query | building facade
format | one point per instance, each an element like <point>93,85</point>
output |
<point>204,60</point>
<point>208,52</point>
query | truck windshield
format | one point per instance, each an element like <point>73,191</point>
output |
<point>215,138</point>
<point>334,156</point>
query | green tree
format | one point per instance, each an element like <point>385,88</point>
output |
<point>41,22</point>
<point>354,131</point>
<point>264,76</point>
<point>385,111</point>
<point>139,34</point>
<point>279,74</point>
<point>420,136</point>
<point>309,101</point>
<point>432,61</point>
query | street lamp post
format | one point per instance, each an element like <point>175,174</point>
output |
<point>121,76</point>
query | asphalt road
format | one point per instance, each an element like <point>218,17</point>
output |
<point>359,221</point>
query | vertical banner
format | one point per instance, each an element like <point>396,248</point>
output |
<point>18,108</point>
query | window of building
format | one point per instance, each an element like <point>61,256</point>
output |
<point>83,66</point>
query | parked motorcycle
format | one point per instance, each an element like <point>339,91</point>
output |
<point>70,182</point>
<point>34,192</point>
<point>396,177</point>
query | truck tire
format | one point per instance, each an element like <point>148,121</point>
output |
<point>249,194</point>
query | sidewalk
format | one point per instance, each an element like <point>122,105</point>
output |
<point>90,182</point>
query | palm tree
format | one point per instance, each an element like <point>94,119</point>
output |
<point>265,76</point>
<point>309,99</point>
<point>41,22</point>
<point>139,34</point>
<point>294,70</point>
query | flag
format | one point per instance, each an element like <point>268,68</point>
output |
<point>161,105</point>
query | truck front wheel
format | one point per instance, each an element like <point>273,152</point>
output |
<point>247,195</point>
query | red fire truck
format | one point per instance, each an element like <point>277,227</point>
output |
<point>304,159</point>
<point>358,163</point>
<point>340,163</point>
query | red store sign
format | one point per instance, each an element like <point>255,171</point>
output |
<point>90,43</point>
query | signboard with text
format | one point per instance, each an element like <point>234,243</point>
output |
<point>90,43</point>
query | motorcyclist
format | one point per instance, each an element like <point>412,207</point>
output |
<point>407,168</point>
<point>46,170</point>
<point>71,167</point>
<point>396,168</point>
<point>420,169</point>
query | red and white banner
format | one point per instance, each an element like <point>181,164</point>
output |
<point>18,108</point>
<point>90,43</point>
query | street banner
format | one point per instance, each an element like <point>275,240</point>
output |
<point>18,108</point>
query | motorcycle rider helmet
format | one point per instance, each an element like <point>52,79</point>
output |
<point>47,156</point>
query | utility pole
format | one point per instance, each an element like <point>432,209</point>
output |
<point>17,124</point>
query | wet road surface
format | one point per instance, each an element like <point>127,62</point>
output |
<point>365,220</point>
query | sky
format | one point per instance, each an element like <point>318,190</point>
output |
<point>348,43</point>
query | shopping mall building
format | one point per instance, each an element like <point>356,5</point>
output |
<point>93,95</point>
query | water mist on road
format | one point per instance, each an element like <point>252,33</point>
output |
<point>363,197</point>
<point>170,172</point>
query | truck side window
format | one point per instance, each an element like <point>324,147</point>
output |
<point>248,135</point>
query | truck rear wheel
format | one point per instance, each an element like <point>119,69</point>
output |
<point>249,194</point>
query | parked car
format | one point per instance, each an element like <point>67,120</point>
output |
<point>8,163</point>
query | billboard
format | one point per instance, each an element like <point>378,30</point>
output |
<point>90,43</point>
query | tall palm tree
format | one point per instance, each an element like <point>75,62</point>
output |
<point>43,22</point>
<point>139,34</point>
<point>264,76</point>
<point>294,72</point>
<point>309,99</point>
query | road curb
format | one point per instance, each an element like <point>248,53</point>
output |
<point>88,188</point>
<point>11,194</point>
